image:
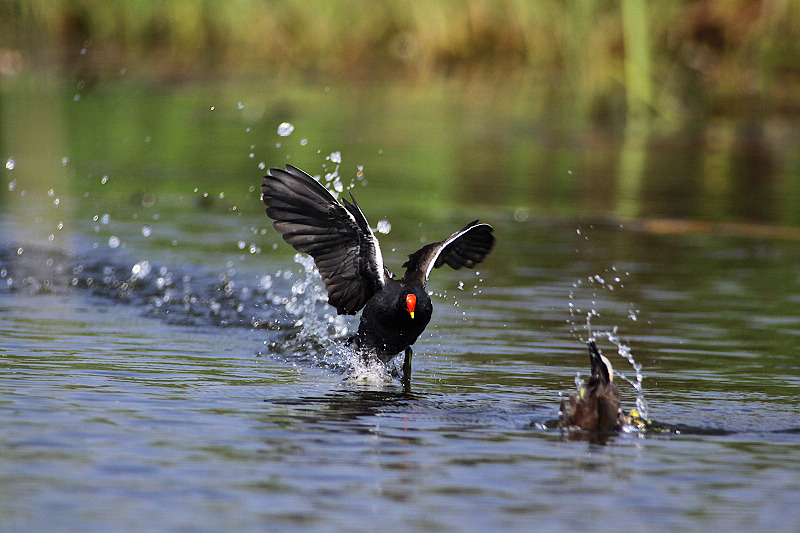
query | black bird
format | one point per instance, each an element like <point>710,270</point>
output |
<point>596,407</point>
<point>349,259</point>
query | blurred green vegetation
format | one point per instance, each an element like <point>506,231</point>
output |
<point>660,52</point>
<point>627,108</point>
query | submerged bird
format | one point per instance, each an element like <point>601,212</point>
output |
<point>596,407</point>
<point>349,259</point>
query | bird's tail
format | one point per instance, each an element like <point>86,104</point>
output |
<point>601,366</point>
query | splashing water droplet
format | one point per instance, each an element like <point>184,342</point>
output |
<point>384,226</point>
<point>285,129</point>
<point>140,270</point>
<point>336,157</point>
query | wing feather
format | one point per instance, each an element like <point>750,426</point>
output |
<point>464,248</point>
<point>336,235</point>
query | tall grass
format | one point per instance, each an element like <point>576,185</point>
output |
<point>729,45</point>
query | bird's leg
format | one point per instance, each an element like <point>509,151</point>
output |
<point>407,368</point>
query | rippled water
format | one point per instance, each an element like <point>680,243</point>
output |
<point>162,367</point>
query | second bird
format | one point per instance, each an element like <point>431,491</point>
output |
<point>349,259</point>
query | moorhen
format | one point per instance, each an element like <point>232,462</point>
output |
<point>596,407</point>
<point>349,259</point>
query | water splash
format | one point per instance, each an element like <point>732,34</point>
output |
<point>323,337</point>
<point>624,351</point>
<point>583,324</point>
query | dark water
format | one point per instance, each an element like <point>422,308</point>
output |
<point>167,364</point>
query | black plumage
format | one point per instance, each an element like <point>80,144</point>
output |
<point>349,260</point>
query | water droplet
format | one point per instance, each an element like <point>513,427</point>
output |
<point>240,105</point>
<point>105,219</point>
<point>384,226</point>
<point>76,98</point>
<point>241,245</point>
<point>12,185</point>
<point>285,129</point>
<point>104,180</point>
<point>262,166</point>
<point>146,231</point>
<point>140,270</point>
<point>337,185</point>
<point>221,195</point>
<point>336,157</point>
<point>148,139</point>
<point>113,242</point>
<point>64,161</point>
<point>303,142</point>
<point>10,164</point>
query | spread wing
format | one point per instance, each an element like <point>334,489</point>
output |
<point>464,248</point>
<point>336,235</point>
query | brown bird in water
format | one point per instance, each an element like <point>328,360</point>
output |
<point>596,407</point>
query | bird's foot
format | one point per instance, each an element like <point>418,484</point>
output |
<point>406,379</point>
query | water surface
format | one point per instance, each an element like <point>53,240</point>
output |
<point>162,366</point>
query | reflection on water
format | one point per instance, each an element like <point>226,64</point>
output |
<point>515,151</point>
<point>164,364</point>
